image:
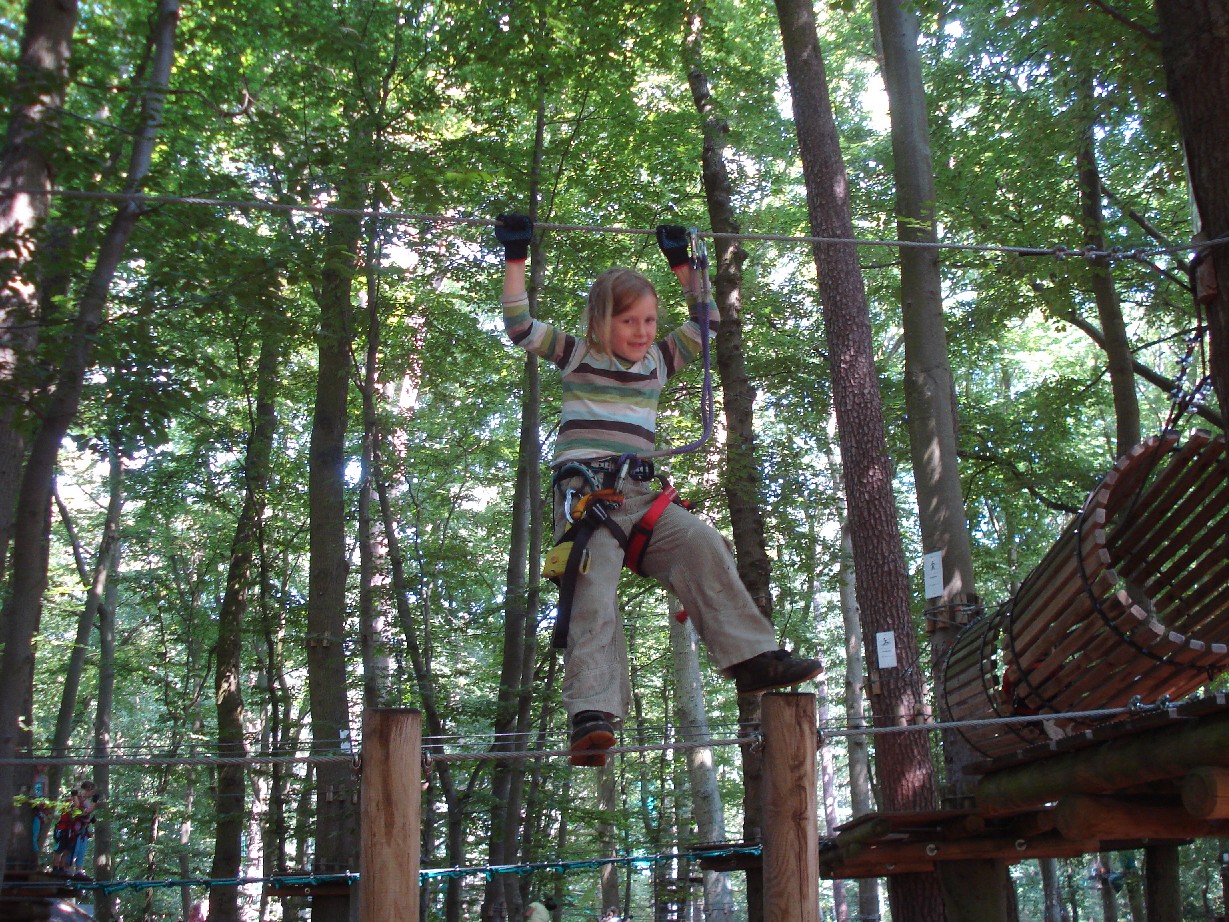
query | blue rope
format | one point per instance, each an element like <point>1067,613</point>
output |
<point>424,875</point>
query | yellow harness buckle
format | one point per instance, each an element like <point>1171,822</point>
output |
<point>557,561</point>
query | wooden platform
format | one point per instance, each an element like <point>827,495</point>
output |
<point>39,895</point>
<point>1094,791</point>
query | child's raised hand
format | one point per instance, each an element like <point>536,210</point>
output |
<point>672,238</point>
<point>514,231</point>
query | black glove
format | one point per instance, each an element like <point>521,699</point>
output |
<point>672,238</point>
<point>514,231</point>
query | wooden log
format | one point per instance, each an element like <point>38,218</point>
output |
<point>1205,793</point>
<point>867,829</point>
<point>996,848</point>
<point>863,871</point>
<point>390,815</point>
<point>790,809</point>
<point>1143,758</point>
<point>1083,817</point>
<point>1031,825</point>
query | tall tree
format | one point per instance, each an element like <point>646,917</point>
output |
<point>524,550</point>
<point>1197,76</point>
<point>905,772</point>
<point>1114,337</point>
<point>336,816</point>
<point>230,787</point>
<point>742,474</point>
<point>22,612</point>
<point>971,889</point>
<point>26,169</point>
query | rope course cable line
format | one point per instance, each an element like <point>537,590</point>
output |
<point>1060,252</point>
<point>748,737</point>
<point>424,874</point>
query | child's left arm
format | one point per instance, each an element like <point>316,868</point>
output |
<point>684,344</point>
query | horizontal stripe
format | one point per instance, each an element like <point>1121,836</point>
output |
<point>608,406</point>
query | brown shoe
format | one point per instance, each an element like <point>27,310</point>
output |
<point>774,669</point>
<point>592,735</point>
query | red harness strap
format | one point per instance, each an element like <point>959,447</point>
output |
<point>642,532</point>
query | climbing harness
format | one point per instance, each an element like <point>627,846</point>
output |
<point>587,509</point>
<point>586,512</point>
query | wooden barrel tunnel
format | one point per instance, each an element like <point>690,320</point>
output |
<point>1131,602</point>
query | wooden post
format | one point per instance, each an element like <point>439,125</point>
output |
<point>391,817</point>
<point>791,809</point>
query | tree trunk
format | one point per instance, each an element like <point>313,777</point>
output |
<point>691,717</point>
<point>37,100</point>
<point>1109,903</point>
<point>606,835</point>
<point>930,403</point>
<point>100,583</point>
<point>418,641</point>
<point>1162,884</point>
<point>104,868</point>
<point>336,813</point>
<point>1194,34</point>
<point>230,788</point>
<point>905,770</point>
<point>502,897</point>
<point>23,608</point>
<point>1109,308</point>
<point>373,601</point>
<point>861,797</point>
<point>336,787</point>
<point>828,785</point>
<point>742,473</point>
<point>1051,895</point>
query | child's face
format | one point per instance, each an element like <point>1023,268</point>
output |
<point>634,330</point>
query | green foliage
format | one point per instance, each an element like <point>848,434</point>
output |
<point>430,109</point>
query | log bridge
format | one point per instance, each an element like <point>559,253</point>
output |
<point>1130,606</point>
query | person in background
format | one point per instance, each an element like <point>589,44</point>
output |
<point>540,911</point>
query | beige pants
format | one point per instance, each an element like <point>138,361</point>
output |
<point>687,556</point>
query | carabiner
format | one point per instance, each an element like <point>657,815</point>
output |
<point>699,250</point>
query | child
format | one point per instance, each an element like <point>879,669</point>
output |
<point>612,379</point>
<point>85,829</point>
<point>72,831</point>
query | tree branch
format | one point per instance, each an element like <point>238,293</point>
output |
<point>1151,34</point>
<point>1151,375</point>
<point>1001,462</point>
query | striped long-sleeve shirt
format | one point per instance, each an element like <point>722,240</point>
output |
<point>609,406</point>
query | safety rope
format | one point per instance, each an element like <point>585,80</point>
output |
<point>424,874</point>
<point>1060,252</point>
<point>704,294</point>
<point>924,723</point>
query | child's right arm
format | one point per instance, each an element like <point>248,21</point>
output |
<point>515,232</point>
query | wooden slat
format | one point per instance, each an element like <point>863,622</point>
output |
<point>1200,514</point>
<point>1161,495</point>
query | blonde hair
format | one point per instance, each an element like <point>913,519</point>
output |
<point>613,293</point>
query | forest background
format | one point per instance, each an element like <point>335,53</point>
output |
<point>302,328</point>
